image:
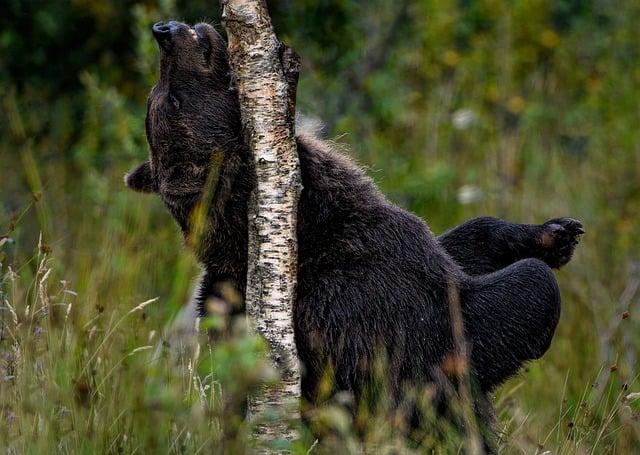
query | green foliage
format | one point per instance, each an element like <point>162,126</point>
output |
<point>526,109</point>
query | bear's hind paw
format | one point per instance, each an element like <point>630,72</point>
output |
<point>558,239</point>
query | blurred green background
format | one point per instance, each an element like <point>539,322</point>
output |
<point>525,109</point>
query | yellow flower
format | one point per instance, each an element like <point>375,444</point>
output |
<point>549,38</point>
<point>516,104</point>
<point>451,57</point>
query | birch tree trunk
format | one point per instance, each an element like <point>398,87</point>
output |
<point>266,74</point>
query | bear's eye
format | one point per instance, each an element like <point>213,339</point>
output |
<point>175,102</point>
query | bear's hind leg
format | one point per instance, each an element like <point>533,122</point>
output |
<point>510,317</point>
<point>484,245</point>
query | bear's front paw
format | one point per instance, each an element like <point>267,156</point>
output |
<point>558,239</point>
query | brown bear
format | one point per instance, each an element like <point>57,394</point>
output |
<point>372,278</point>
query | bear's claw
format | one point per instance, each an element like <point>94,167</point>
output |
<point>558,240</point>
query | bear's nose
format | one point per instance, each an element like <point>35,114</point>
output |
<point>162,31</point>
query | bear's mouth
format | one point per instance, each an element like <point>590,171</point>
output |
<point>171,33</point>
<point>167,32</point>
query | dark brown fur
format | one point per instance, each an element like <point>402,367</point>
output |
<point>372,278</point>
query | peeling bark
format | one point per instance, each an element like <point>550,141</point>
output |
<point>266,74</point>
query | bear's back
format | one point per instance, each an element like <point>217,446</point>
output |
<point>368,270</point>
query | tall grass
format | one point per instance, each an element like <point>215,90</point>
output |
<point>89,373</point>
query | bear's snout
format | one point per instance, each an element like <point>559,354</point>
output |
<point>165,32</point>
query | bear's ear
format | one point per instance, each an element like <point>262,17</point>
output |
<point>141,179</point>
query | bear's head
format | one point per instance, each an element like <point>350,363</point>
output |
<point>193,117</point>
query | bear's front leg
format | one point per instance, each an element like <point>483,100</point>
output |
<point>485,245</point>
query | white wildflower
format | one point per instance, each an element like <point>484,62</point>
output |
<point>468,194</point>
<point>463,119</point>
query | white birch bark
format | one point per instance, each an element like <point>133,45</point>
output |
<point>266,76</point>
